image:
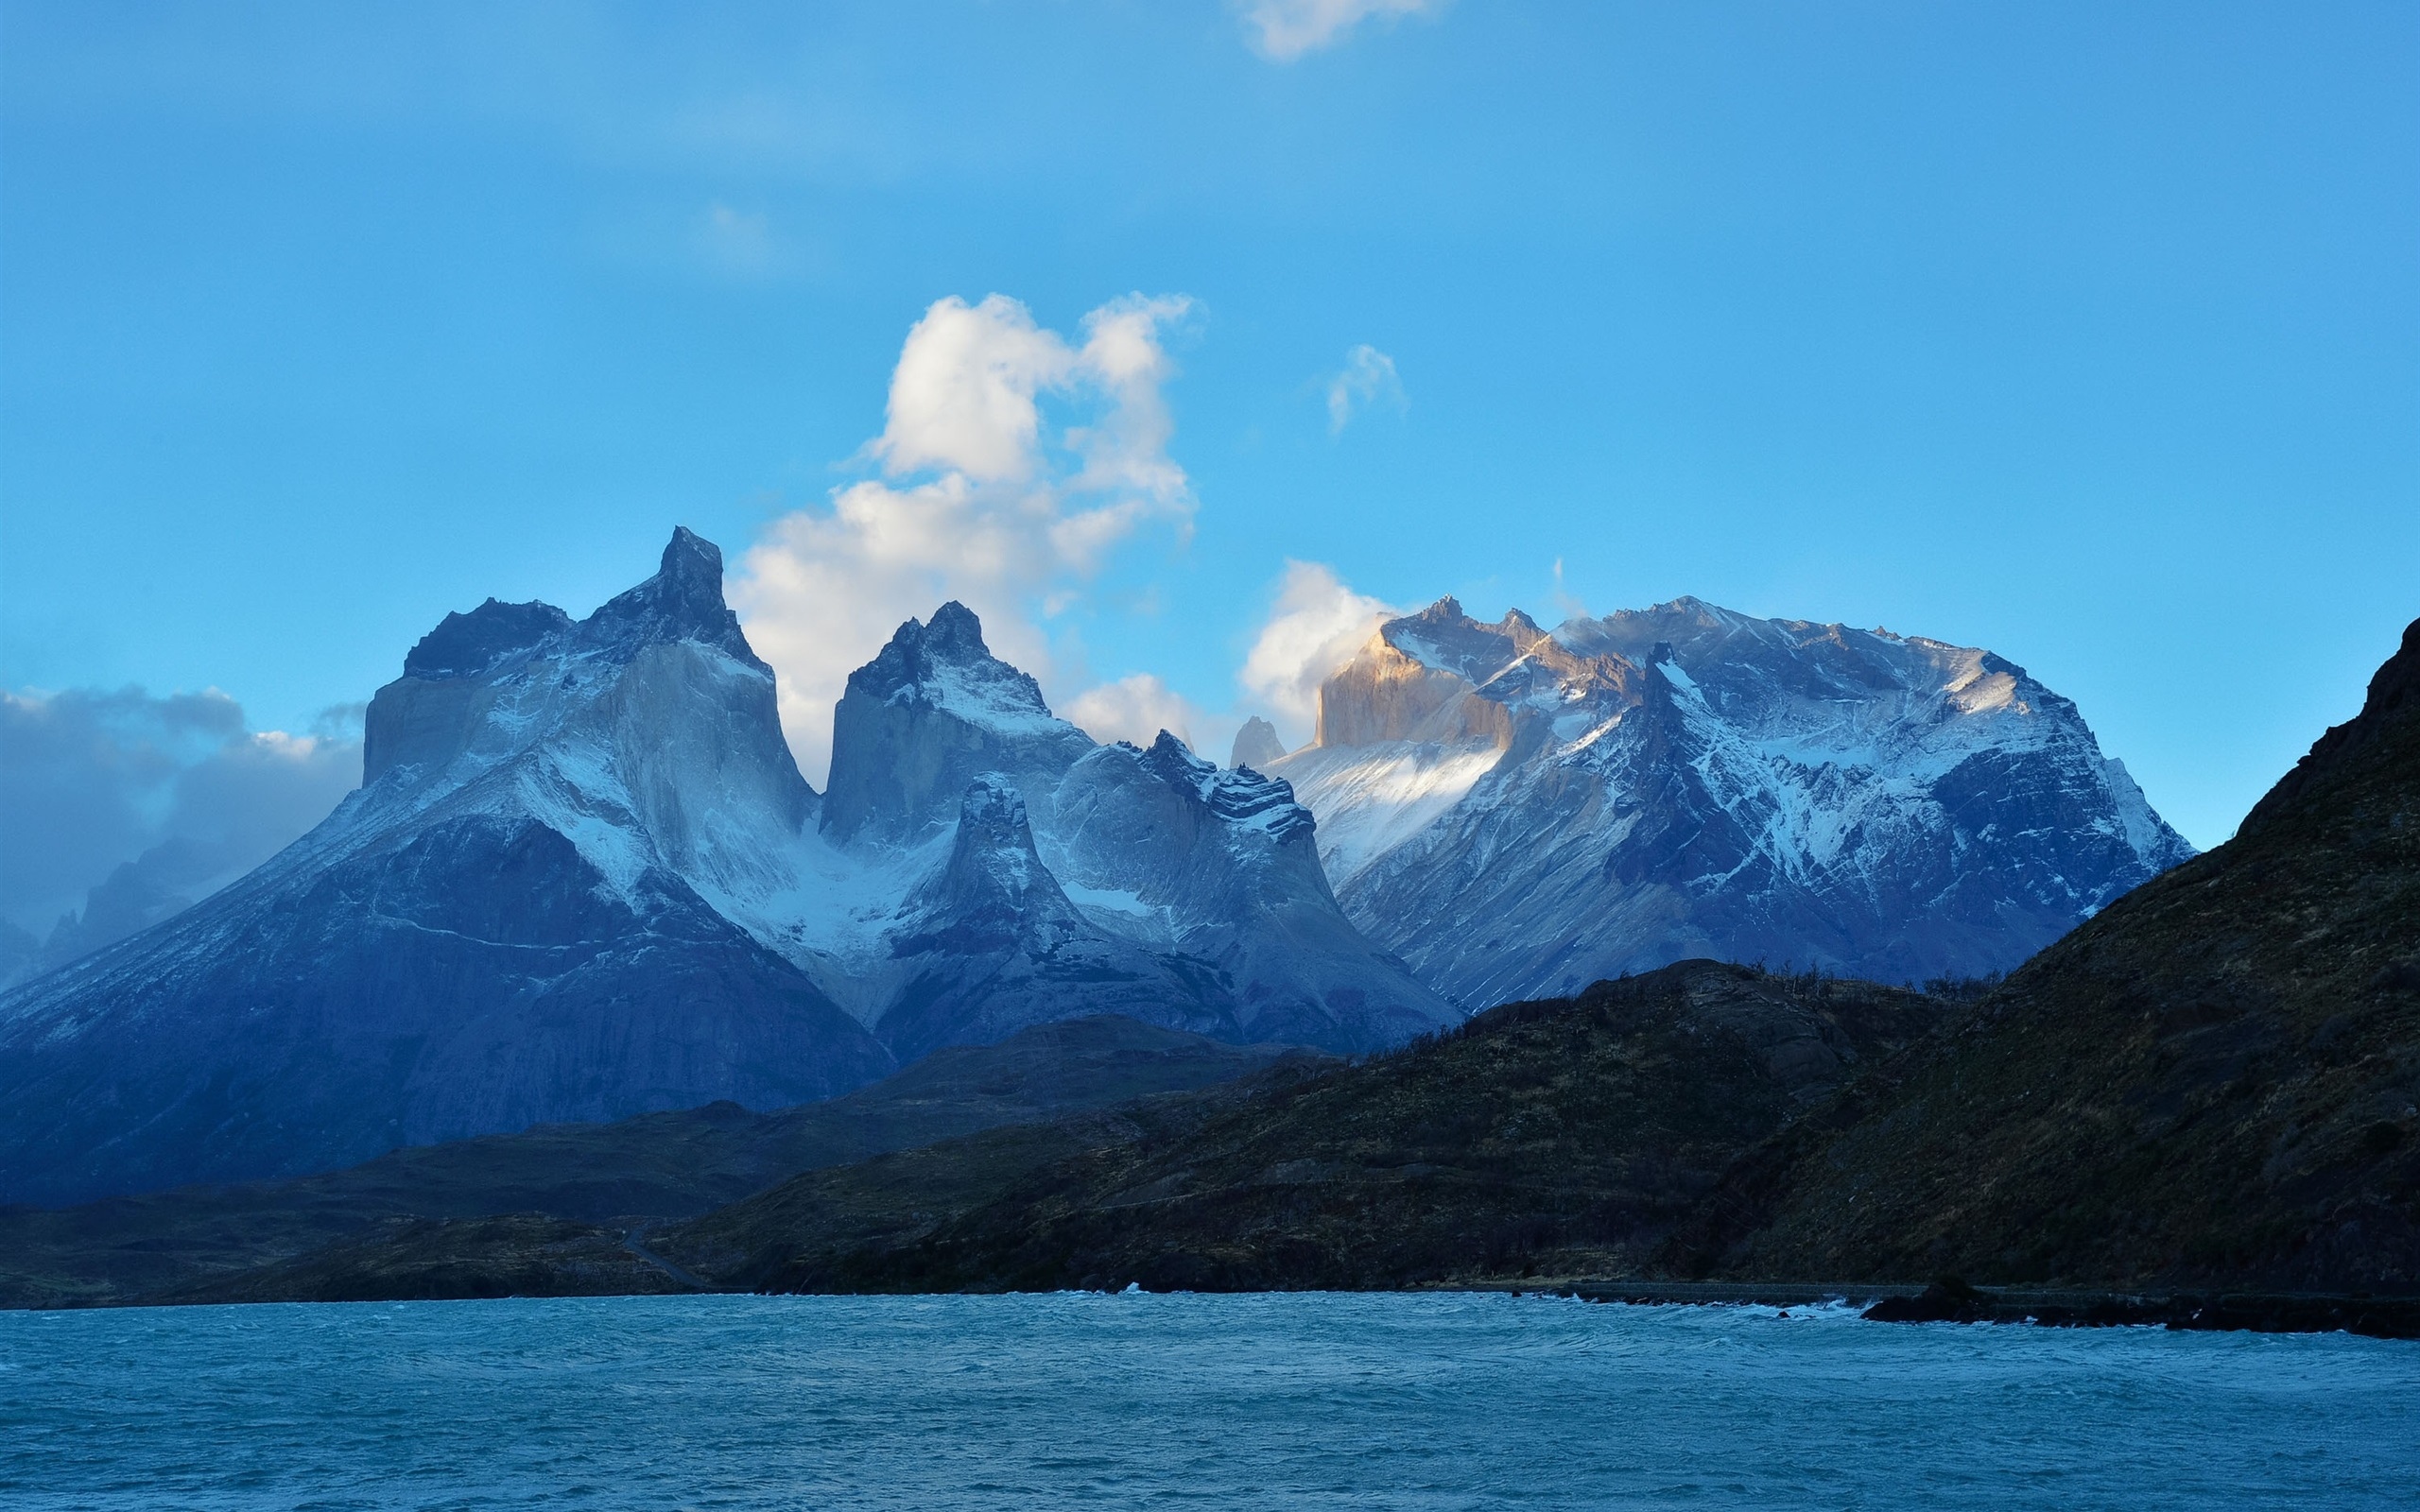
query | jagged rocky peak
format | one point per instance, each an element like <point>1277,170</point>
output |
<point>1445,637</point>
<point>1235,795</point>
<point>1174,827</point>
<point>682,602</point>
<point>995,888</point>
<point>1257,744</point>
<point>470,645</point>
<point>507,677</point>
<point>580,885</point>
<point>932,711</point>
<point>554,899</point>
<point>945,664</point>
<point>993,816</point>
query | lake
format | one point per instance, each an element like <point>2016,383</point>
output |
<point>1293,1401</point>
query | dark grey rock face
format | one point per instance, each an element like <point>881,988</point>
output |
<point>479,977</point>
<point>1519,813</point>
<point>991,944</point>
<point>1233,862</point>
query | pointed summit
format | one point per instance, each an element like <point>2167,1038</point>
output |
<point>930,712</point>
<point>1256,745</point>
<point>682,602</point>
<point>995,891</point>
<point>954,634</point>
<point>921,653</point>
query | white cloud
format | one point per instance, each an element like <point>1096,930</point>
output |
<point>1283,30</point>
<point>1134,709</point>
<point>1314,628</point>
<point>1368,378</point>
<point>984,498</point>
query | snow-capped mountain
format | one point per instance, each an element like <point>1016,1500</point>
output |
<point>1063,877</point>
<point>583,878</point>
<point>1518,812</point>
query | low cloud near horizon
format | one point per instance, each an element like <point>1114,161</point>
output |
<point>92,779</point>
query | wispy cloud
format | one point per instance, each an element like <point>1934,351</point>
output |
<point>1283,30</point>
<point>984,496</point>
<point>1566,603</point>
<point>738,243</point>
<point>1368,378</point>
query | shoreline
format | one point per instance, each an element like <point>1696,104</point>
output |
<point>1950,1301</point>
<point>1945,1301</point>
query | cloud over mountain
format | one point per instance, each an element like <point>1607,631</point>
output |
<point>1014,463</point>
<point>1313,628</point>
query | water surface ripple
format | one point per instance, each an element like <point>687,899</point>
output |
<point>1296,1401</point>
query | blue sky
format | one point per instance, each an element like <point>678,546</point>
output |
<point>2089,334</point>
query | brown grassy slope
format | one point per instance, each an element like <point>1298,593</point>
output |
<point>1561,1135</point>
<point>2217,1081</point>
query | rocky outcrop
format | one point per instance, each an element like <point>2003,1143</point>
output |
<point>931,712</point>
<point>1518,812</point>
<point>1257,744</point>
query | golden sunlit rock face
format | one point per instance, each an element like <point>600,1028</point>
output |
<point>1421,679</point>
<point>1383,695</point>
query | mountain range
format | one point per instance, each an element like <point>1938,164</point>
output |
<point>583,878</point>
<point>2195,1108</point>
<point>2201,1107</point>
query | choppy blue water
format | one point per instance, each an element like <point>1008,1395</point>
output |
<point>1442,1401</point>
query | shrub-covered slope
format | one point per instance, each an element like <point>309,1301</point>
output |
<point>1567,1135</point>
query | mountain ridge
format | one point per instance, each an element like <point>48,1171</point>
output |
<point>1684,781</point>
